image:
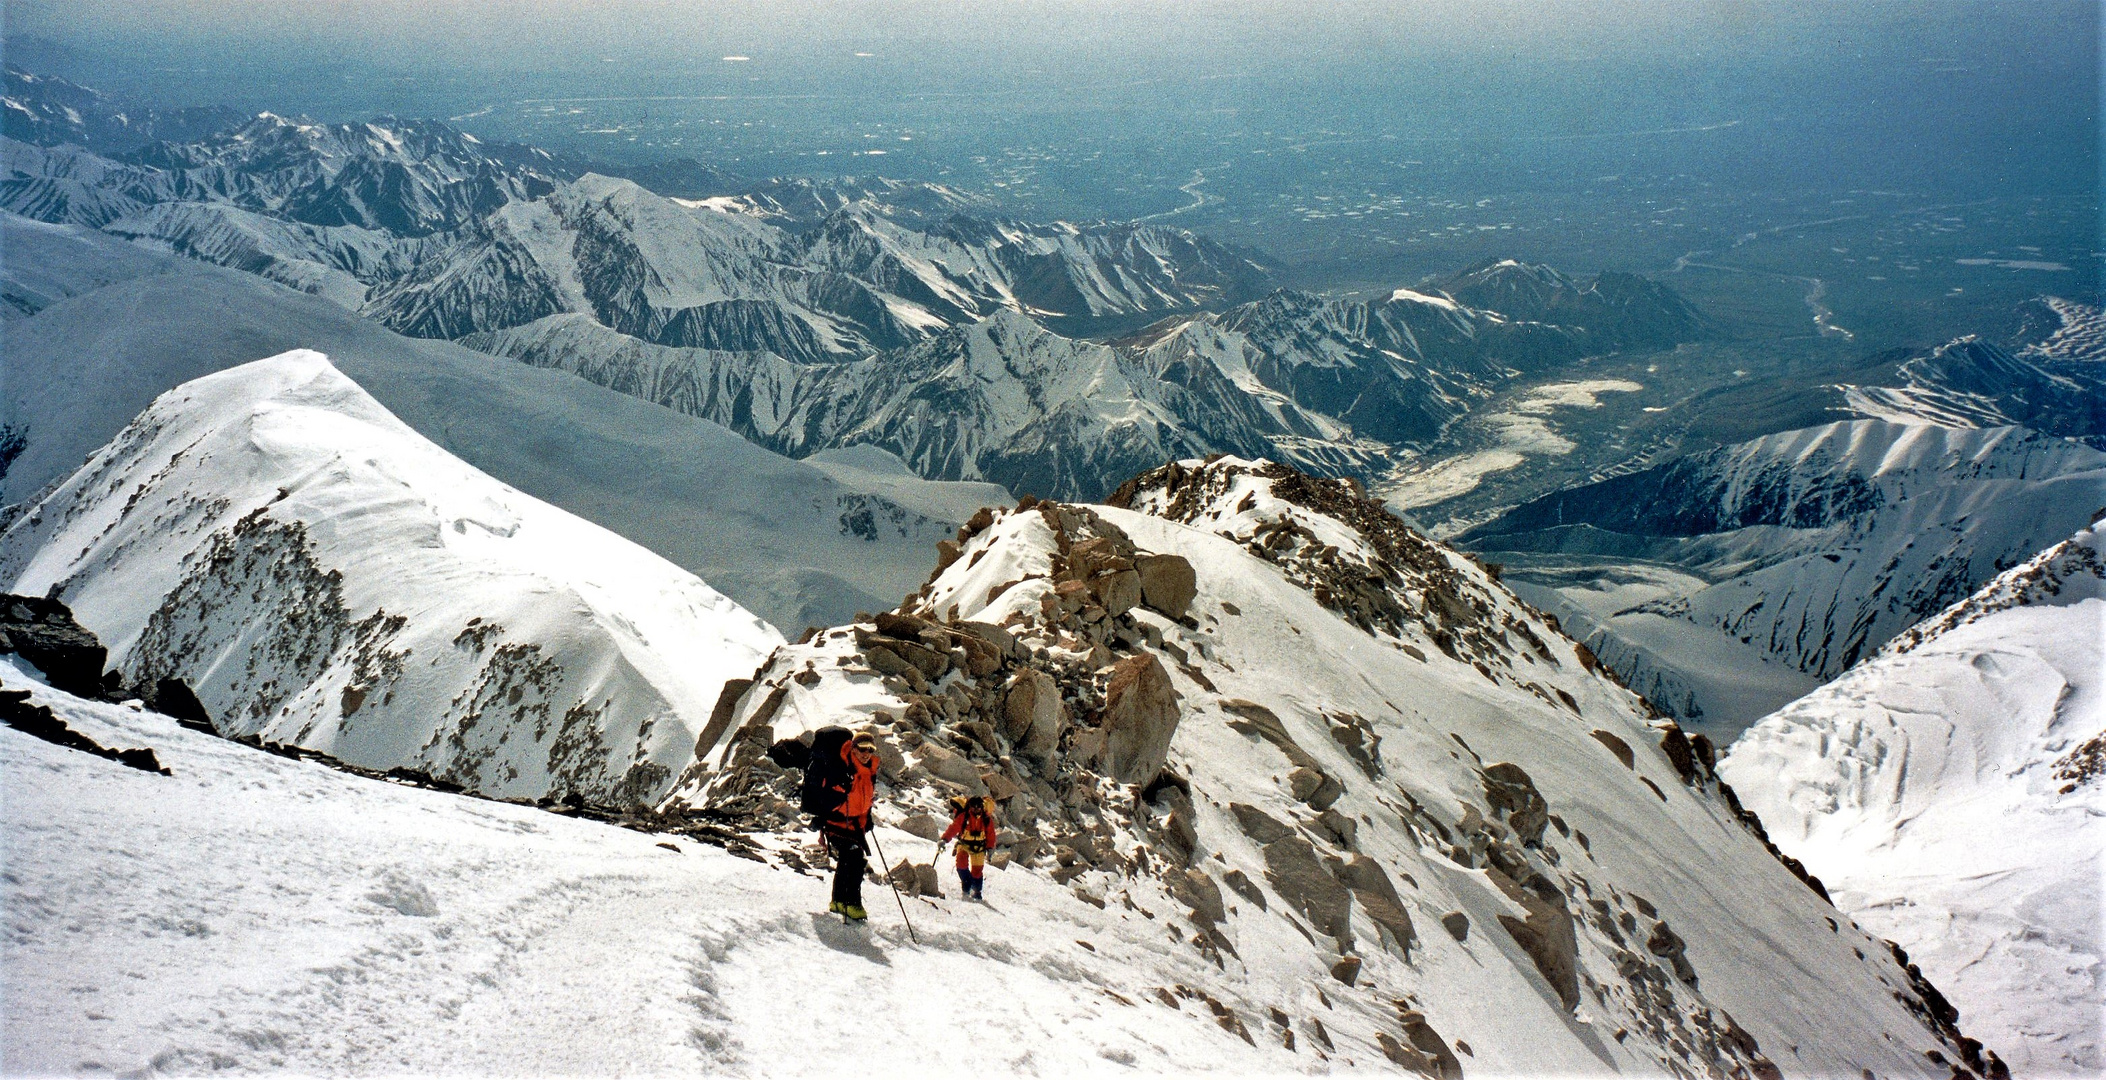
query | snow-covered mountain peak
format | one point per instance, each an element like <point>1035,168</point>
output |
<point>1349,551</point>
<point>322,575</point>
<point>1491,861</point>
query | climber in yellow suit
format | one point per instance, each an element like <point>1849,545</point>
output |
<point>972,825</point>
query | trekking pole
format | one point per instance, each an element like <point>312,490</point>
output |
<point>882,861</point>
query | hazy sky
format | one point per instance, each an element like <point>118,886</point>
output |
<point>546,34</point>
<point>1965,87</point>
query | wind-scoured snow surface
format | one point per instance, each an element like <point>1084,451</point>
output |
<point>1947,790</point>
<point>255,914</point>
<point>320,574</point>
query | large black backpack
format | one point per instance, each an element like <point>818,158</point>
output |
<point>826,776</point>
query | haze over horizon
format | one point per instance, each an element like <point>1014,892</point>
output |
<point>1958,96</point>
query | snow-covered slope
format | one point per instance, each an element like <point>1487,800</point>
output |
<point>1811,547</point>
<point>1948,792</point>
<point>1002,399</point>
<point>320,574</point>
<point>1330,386</point>
<point>2056,385</point>
<point>789,541</point>
<point>1373,804</point>
<point>49,111</point>
<point>255,914</point>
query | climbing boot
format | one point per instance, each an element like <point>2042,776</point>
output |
<point>854,912</point>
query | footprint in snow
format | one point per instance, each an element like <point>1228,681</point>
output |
<point>404,895</point>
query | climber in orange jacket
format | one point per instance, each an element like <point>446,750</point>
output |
<point>972,825</point>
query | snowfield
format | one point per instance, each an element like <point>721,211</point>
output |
<point>254,914</point>
<point>1947,790</point>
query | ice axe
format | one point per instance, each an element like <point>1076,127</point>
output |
<point>882,861</point>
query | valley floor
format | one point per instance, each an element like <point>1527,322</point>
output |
<point>254,913</point>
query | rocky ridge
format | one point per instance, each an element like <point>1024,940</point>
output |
<point>1085,667</point>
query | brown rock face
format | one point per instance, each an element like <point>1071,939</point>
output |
<point>1118,592</point>
<point>1318,789</point>
<point>1245,888</point>
<point>720,717</point>
<point>1300,878</point>
<point>1378,898</point>
<point>1140,716</point>
<point>1668,945</point>
<point>1616,746</point>
<point>923,825</point>
<point>1197,891</point>
<point>1457,924</point>
<point>1429,1042</point>
<point>1259,825</point>
<point>1033,713</point>
<point>1676,746</point>
<point>946,765</point>
<point>1546,935</point>
<point>1167,583</point>
<point>915,878</point>
<point>1507,787</point>
<point>1346,970</point>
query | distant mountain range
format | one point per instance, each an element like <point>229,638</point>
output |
<point>796,542</point>
<point>1801,553</point>
<point>809,314</point>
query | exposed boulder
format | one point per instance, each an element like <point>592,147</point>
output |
<point>1346,970</point>
<point>1252,718</point>
<point>1546,935</point>
<point>1259,825</point>
<point>1457,924</point>
<point>173,697</point>
<point>1168,584</point>
<point>1314,787</point>
<point>1342,829</point>
<point>1033,713</point>
<point>945,765</point>
<point>43,633</point>
<point>1508,788</point>
<point>1371,886</point>
<point>1195,890</point>
<point>1427,1041</point>
<point>925,826</point>
<point>1675,745</point>
<point>1616,746</point>
<point>1245,888</point>
<point>1300,878</point>
<point>916,879</point>
<point>1667,945</point>
<point>1117,592</point>
<point>1003,641</point>
<point>1140,716</point>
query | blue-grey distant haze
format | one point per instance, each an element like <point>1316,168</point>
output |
<point>1359,142</point>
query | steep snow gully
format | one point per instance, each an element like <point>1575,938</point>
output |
<point>1287,788</point>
